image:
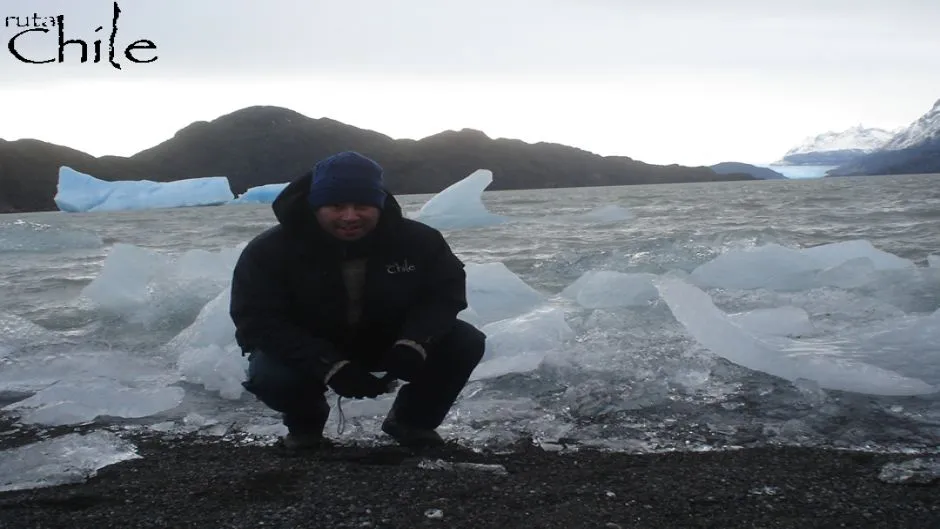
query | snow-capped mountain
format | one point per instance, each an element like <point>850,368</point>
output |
<point>926,127</point>
<point>915,149</point>
<point>836,148</point>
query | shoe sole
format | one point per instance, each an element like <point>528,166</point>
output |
<point>421,442</point>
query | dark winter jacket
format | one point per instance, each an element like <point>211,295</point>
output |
<point>289,298</point>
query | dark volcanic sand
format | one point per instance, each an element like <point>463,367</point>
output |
<point>218,485</point>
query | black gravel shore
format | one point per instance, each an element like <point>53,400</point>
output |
<point>222,485</point>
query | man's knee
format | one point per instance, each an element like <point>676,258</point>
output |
<point>467,341</point>
<point>279,385</point>
<point>270,372</point>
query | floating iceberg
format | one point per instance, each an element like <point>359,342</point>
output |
<point>495,293</point>
<point>460,205</point>
<point>79,192</point>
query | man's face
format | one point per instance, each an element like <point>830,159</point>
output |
<point>348,222</point>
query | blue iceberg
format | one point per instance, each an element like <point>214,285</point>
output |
<point>461,205</point>
<point>78,192</point>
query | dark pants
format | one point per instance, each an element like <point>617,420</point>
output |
<point>422,403</point>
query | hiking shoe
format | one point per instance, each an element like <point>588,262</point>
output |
<point>305,441</point>
<point>409,436</point>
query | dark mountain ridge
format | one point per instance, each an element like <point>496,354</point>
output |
<point>264,145</point>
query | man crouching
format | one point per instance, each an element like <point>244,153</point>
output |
<point>344,285</point>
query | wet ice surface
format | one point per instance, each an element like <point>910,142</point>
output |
<point>604,328</point>
<point>71,458</point>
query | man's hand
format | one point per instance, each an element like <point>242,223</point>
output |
<point>351,381</point>
<point>404,360</point>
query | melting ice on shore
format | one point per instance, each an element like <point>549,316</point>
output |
<point>71,458</point>
<point>609,354</point>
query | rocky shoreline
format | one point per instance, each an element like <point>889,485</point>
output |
<point>218,484</point>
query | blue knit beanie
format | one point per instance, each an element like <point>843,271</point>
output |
<point>347,177</point>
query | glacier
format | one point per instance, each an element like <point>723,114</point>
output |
<point>795,172</point>
<point>79,192</point>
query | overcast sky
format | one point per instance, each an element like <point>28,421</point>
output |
<point>673,81</point>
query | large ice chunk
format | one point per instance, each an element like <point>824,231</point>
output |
<point>846,264</point>
<point>781,357</point>
<point>519,344</point>
<point>460,205</point>
<point>208,354</point>
<point>68,459</point>
<point>778,321</point>
<point>918,331</point>
<point>770,266</point>
<point>150,288</point>
<point>79,192</point>
<point>601,289</point>
<point>835,254</point>
<point>218,369</point>
<point>907,345</point>
<point>76,402</point>
<point>853,273</point>
<point>212,327</point>
<point>495,293</point>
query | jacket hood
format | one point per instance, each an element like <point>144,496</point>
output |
<point>296,215</point>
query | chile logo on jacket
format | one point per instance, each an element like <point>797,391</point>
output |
<point>400,268</point>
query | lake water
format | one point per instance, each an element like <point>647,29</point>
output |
<point>698,321</point>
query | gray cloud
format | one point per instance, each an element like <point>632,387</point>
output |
<point>492,38</point>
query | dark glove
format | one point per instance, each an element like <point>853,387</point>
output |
<point>403,362</point>
<point>353,382</point>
